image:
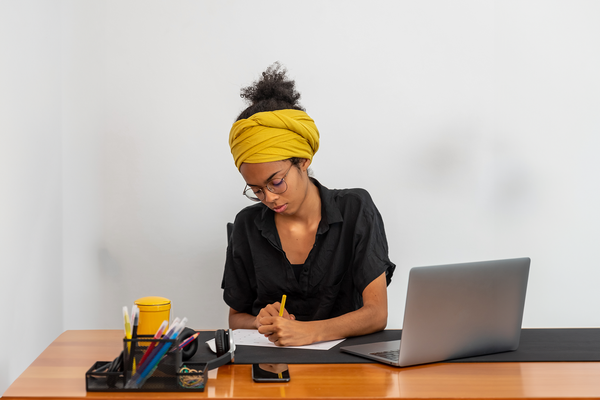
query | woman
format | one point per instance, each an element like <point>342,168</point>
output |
<point>324,249</point>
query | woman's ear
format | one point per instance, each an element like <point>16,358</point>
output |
<point>304,164</point>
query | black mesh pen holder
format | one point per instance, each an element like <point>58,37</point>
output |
<point>163,368</point>
<point>161,375</point>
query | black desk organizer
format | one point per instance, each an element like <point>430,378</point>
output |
<point>171,375</point>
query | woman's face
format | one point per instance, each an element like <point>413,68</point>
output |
<point>295,177</point>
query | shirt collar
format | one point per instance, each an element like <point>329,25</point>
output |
<point>330,214</point>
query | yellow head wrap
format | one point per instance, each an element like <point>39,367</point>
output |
<point>273,136</point>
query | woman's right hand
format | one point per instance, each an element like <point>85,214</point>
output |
<point>271,310</point>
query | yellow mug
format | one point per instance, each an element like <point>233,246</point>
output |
<point>153,311</point>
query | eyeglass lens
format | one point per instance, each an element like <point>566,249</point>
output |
<point>276,186</point>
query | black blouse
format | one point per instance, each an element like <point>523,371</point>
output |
<point>350,251</point>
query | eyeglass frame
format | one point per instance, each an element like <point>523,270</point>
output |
<point>261,188</point>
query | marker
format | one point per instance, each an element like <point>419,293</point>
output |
<point>127,323</point>
<point>143,373</point>
<point>282,307</point>
<point>157,336</point>
<point>127,327</point>
<point>135,316</point>
<point>160,352</point>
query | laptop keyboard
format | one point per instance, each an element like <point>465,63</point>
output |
<point>389,355</point>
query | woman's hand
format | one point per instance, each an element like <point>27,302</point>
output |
<point>271,310</point>
<point>371,317</point>
<point>286,331</point>
<point>240,320</point>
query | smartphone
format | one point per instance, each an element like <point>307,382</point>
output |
<point>270,373</point>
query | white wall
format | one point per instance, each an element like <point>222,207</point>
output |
<point>83,126</point>
<point>30,183</point>
<point>474,125</point>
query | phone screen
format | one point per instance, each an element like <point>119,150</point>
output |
<point>270,373</point>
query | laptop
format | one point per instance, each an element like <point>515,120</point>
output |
<point>455,311</point>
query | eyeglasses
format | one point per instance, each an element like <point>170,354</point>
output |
<point>276,185</point>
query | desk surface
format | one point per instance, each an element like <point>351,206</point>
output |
<point>59,372</point>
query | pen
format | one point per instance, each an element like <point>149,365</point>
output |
<point>154,355</point>
<point>157,336</point>
<point>151,365</point>
<point>282,307</point>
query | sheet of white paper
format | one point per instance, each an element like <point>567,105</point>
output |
<point>251,337</point>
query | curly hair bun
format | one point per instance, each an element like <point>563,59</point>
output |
<point>273,91</point>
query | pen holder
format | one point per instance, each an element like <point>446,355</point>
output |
<point>104,381</point>
<point>161,369</point>
<point>165,372</point>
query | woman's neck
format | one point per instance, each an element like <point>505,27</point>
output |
<point>309,212</point>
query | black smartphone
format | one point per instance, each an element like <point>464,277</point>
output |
<point>270,373</point>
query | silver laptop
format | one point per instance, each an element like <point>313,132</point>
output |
<point>455,311</point>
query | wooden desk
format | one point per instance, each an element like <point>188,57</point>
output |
<point>59,373</point>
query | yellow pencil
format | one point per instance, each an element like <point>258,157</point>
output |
<point>281,308</point>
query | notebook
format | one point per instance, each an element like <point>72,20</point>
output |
<point>455,311</point>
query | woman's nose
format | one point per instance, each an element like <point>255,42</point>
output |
<point>270,196</point>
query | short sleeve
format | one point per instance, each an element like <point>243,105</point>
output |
<point>370,244</point>
<point>237,280</point>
